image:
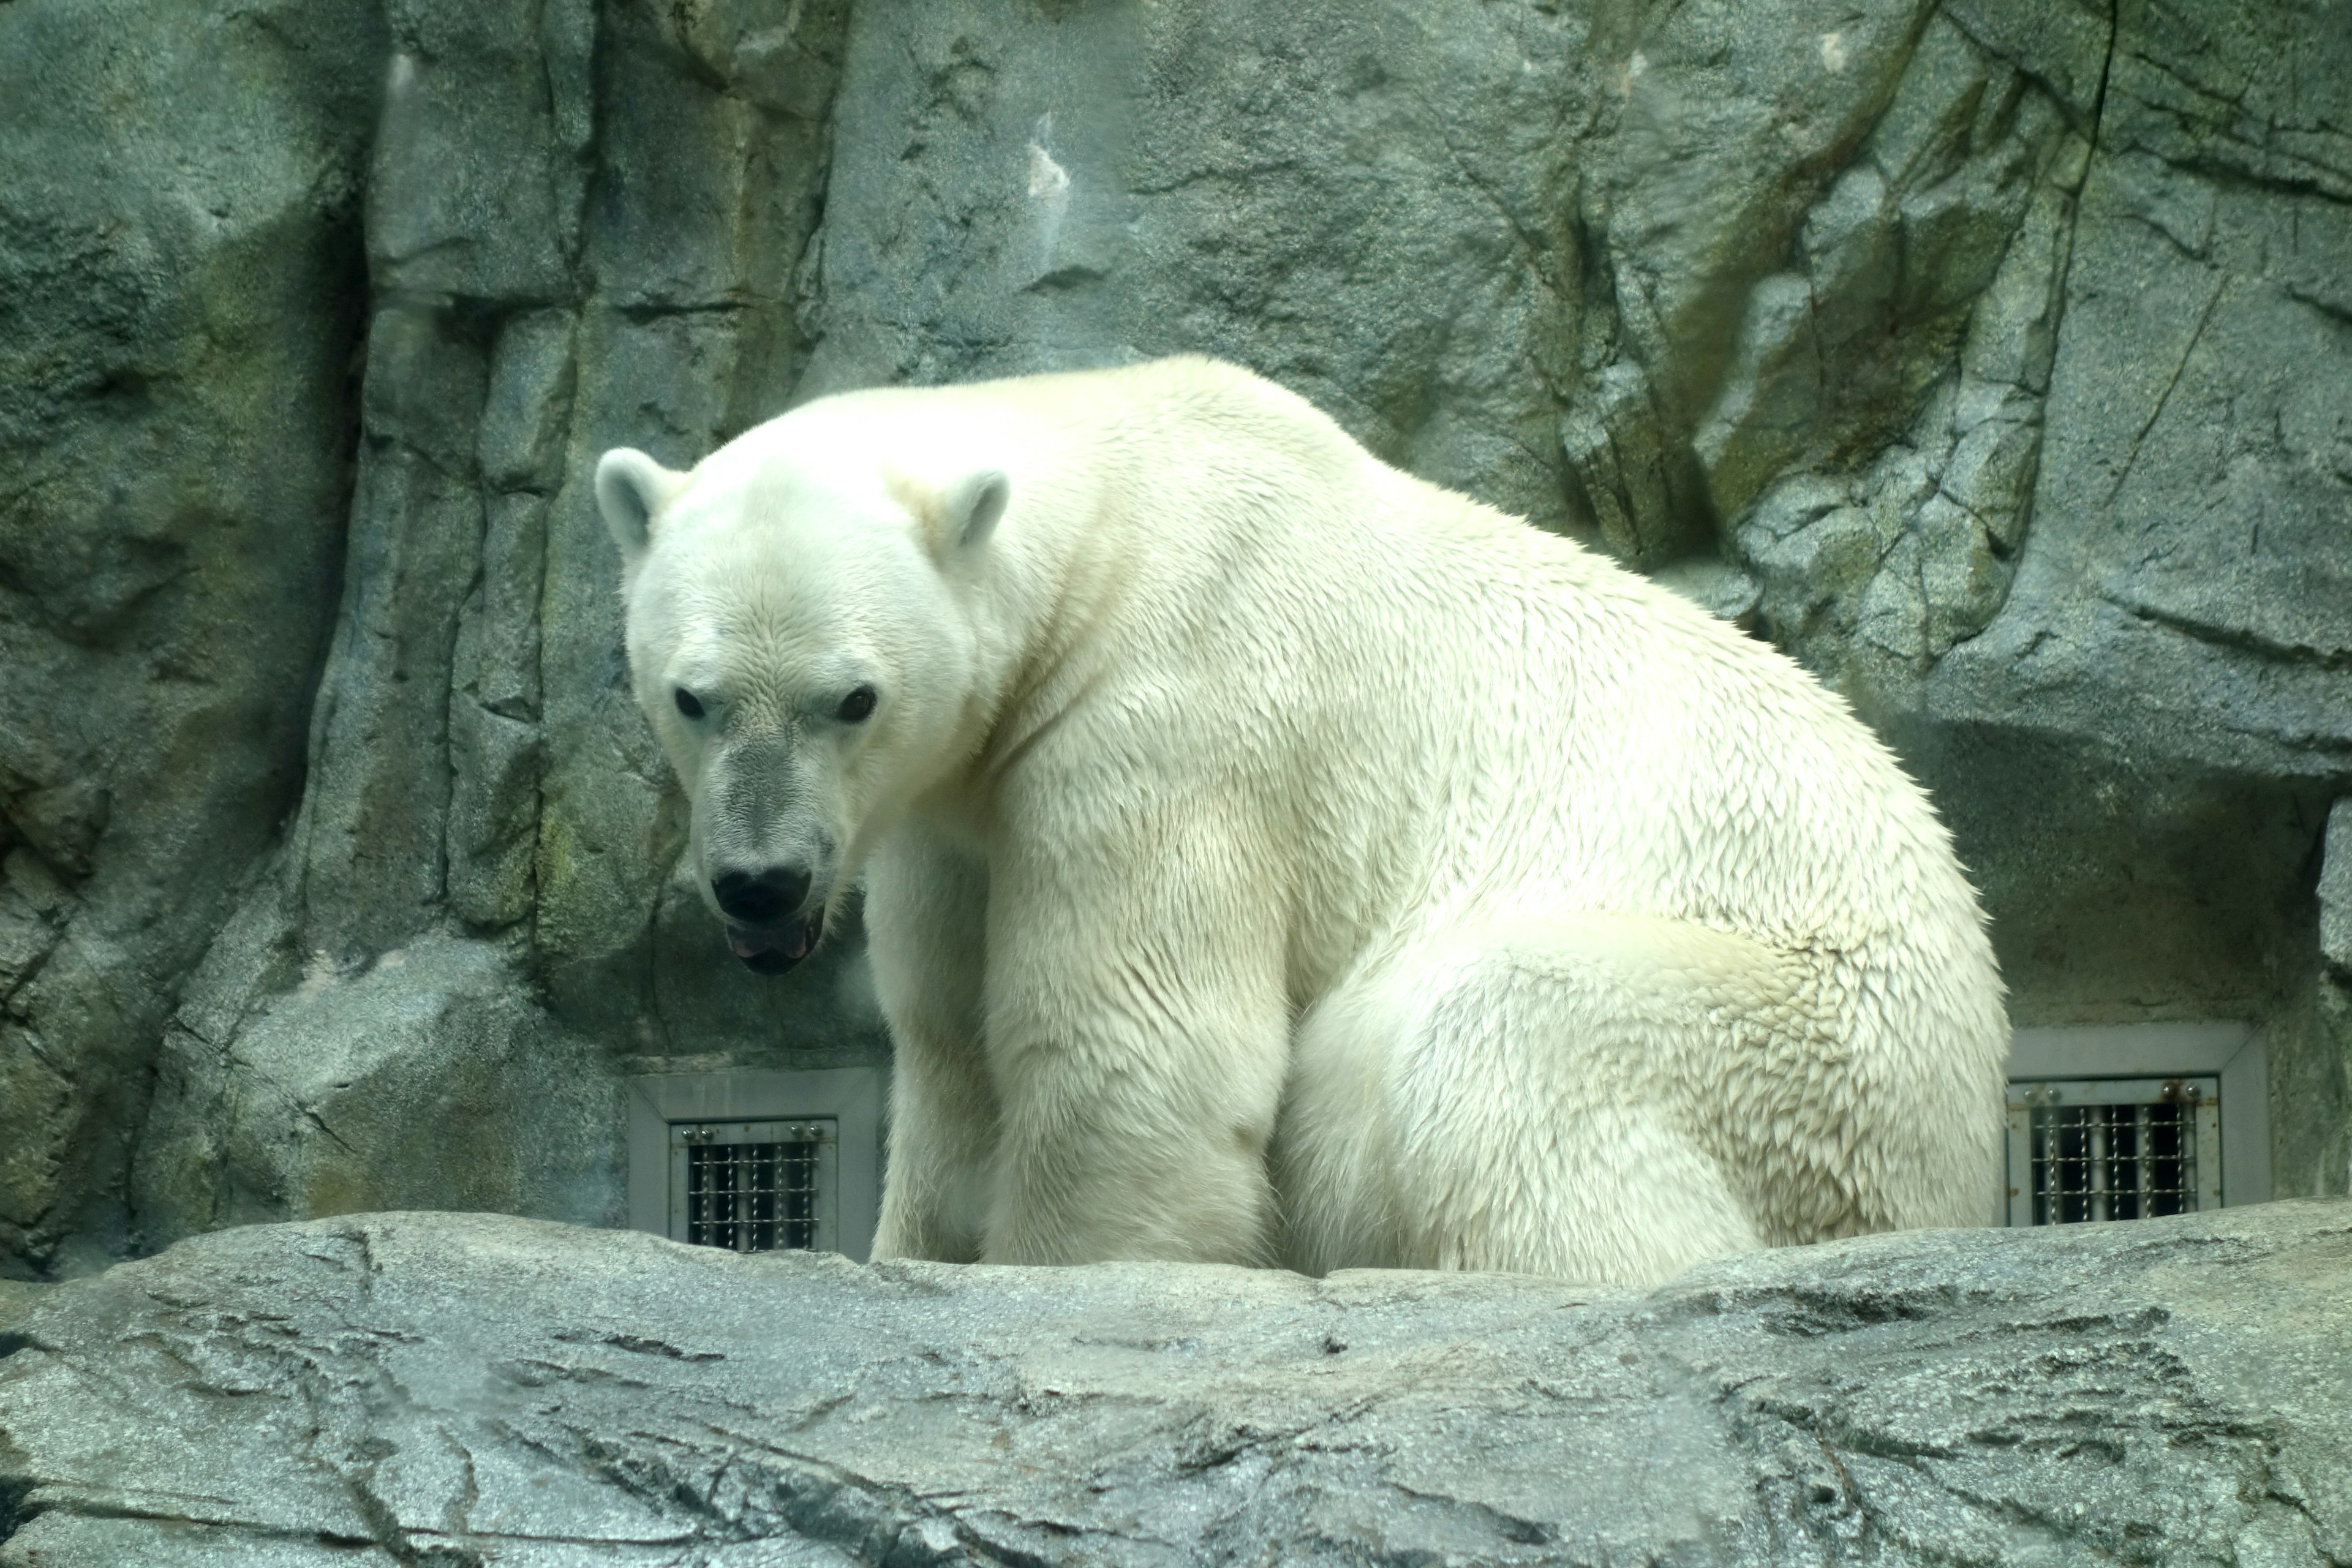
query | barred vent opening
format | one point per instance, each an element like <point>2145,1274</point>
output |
<point>2113,1149</point>
<point>755,1186</point>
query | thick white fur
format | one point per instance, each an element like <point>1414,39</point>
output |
<point>1272,857</point>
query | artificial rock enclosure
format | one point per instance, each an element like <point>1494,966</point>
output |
<point>1994,357</point>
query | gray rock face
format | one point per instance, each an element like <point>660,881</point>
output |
<point>1991,356</point>
<point>411,966</point>
<point>427,1080</point>
<point>2175,654</point>
<point>424,1388</point>
<point>181,283</point>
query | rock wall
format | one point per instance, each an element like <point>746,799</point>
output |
<point>181,289</point>
<point>1993,357</point>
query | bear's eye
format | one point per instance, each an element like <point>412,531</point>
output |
<point>855,706</point>
<point>688,704</point>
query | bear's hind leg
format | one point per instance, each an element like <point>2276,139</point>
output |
<point>1527,1092</point>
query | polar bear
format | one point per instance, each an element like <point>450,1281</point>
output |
<point>1272,858</point>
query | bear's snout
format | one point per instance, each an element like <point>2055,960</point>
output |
<point>777,949</point>
<point>766,925</point>
<point>761,898</point>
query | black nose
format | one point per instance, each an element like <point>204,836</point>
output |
<point>761,898</point>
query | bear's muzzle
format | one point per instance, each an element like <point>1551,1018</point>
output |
<point>771,949</point>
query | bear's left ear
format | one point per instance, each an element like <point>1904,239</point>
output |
<point>971,508</point>
<point>630,488</point>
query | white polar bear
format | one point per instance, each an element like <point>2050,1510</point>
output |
<point>1272,858</point>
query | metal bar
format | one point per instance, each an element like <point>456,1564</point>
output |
<point>2045,1168</point>
<point>2144,1130</point>
<point>2099,1167</point>
<point>2184,1168</point>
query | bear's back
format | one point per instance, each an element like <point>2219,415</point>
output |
<point>1453,704</point>
<point>1537,722</point>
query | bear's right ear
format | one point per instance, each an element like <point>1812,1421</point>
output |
<point>630,488</point>
<point>971,506</point>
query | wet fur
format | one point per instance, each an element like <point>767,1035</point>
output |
<point>1273,859</point>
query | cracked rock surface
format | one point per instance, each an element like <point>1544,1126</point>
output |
<point>412,1388</point>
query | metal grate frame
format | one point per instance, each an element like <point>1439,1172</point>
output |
<point>742,1108</point>
<point>755,1186</point>
<point>2096,1149</point>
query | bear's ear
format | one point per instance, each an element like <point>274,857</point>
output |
<point>971,508</point>
<point>631,487</point>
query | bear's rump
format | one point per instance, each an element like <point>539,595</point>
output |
<point>1590,1078</point>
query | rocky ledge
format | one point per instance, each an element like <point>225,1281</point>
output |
<point>433,1388</point>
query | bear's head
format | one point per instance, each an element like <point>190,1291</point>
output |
<point>800,638</point>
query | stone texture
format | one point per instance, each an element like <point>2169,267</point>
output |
<point>2174,646</point>
<point>181,287</point>
<point>427,1079</point>
<point>17,1298</point>
<point>423,1388</point>
<point>1991,356</point>
<point>2323,1084</point>
<point>1017,190</point>
<point>2192,501</point>
<point>2335,890</point>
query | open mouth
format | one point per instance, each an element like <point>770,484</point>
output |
<point>771,949</point>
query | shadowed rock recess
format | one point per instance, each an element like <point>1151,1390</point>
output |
<point>1992,356</point>
<point>423,1388</point>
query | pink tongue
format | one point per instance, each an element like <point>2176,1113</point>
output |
<point>751,944</point>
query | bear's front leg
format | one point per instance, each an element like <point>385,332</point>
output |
<point>925,919</point>
<point>1138,1035</point>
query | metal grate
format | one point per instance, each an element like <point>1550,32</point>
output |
<point>753,1186</point>
<point>2118,1149</point>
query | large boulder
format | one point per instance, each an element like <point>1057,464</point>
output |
<point>441,1388</point>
